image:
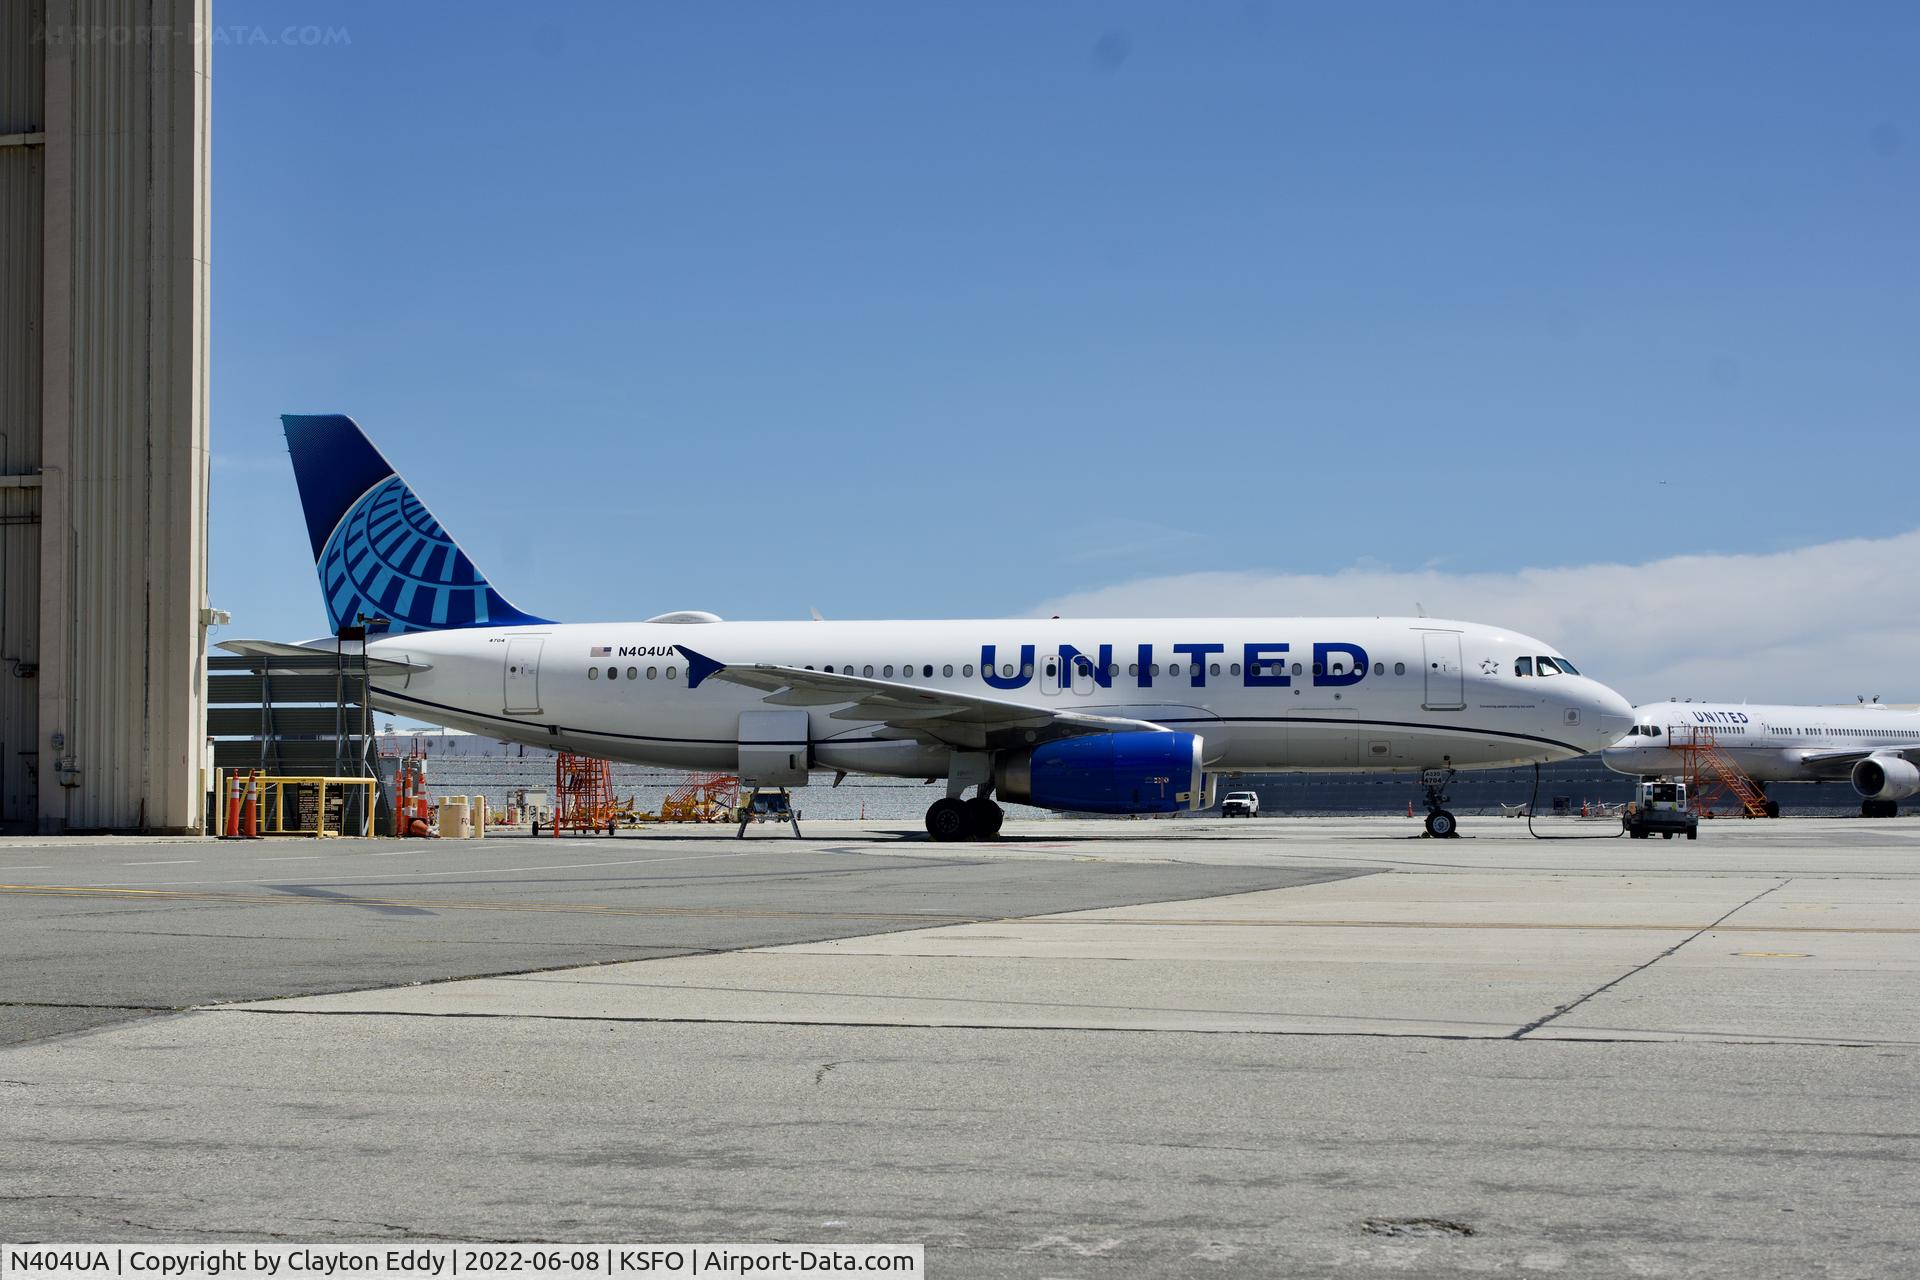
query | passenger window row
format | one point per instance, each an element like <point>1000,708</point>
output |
<point>1050,668</point>
<point>1839,733</point>
<point>1080,668</point>
<point>633,673</point>
<point>1654,730</point>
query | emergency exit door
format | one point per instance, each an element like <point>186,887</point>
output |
<point>522,675</point>
<point>1446,682</point>
<point>1059,673</point>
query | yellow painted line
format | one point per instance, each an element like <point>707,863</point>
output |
<point>748,913</point>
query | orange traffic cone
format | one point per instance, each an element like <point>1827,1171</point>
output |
<point>250,810</point>
<point>230,830</point>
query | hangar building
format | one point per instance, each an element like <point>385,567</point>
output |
<point>104,117</point>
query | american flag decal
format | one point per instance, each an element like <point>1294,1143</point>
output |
<point>601,651</point>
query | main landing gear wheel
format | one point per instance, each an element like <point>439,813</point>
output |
<point>1879,808</point>
<point>985,817</point>
<point>1773,808</point>
<point>1441,825</point>
<point>949,820</point>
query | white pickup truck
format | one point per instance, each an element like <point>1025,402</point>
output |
<point>1240,804</point>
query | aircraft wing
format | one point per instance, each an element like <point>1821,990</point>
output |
<point>1839,764</point>
<point>964,720</point>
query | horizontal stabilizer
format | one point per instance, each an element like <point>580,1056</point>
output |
<point>320,649</point>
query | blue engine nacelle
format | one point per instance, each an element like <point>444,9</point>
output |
<point>1137,772</point>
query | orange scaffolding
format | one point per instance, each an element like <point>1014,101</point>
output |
<point>1711,773</point>
<point>702,797</point>
<point>582,795</point>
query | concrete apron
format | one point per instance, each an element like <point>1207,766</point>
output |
<point>1740,958</point>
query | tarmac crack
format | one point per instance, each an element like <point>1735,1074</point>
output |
<point>1562,1010</point>
<point>88,1004</point>
<point>1591,1038</point>
<point>415,1233</point>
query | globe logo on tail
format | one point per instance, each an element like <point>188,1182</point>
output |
<point>389,558</point>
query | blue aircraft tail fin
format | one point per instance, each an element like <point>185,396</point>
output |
<point>380,553</point>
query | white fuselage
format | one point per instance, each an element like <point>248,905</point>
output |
<point>1430,692</point>
<point>1770,743</point>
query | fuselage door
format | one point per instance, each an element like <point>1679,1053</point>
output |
<point>1051,680</point>
<point>1446,681</point>
<point>523,675</point>
<point>1082,676</point>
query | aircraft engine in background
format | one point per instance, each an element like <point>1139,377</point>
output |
<point>1886,778</point>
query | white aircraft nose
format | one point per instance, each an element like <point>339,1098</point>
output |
<point>1613,715</point>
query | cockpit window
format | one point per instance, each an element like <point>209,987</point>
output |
<point>1567,667</point>
<point>1545,666</point>
<point>1523,666</point>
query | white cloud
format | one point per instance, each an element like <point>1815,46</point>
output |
<point>1818,624</point>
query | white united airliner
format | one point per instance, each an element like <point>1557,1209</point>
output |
<point>1120,715</point>
<point>1875,747</point>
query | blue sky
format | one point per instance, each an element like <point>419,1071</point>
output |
<point>912,310</point>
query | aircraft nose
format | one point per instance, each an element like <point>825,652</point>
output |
<point>1612,715</point>
<point>1622,759</point>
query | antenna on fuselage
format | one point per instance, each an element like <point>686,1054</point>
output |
<point>1419,610</point>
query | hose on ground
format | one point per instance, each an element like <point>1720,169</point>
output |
<point>1534,800</point>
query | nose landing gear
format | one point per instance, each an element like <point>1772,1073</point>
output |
<point>1441,824</point>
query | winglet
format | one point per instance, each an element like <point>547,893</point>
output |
<point>699,666</point>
